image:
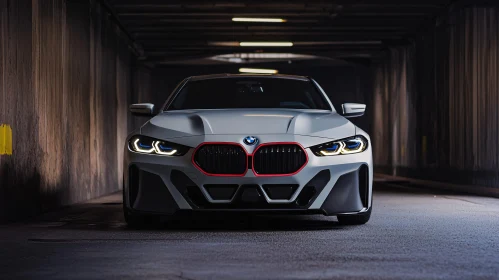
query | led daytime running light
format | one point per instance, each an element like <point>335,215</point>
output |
<point>159,151</point>
<point>151,146</point>
<point>139,149</point>
<point>346,146</point>
<point>359,149</point>
<point>333,153</point>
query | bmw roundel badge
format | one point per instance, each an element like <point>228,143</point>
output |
<point>250,140</point>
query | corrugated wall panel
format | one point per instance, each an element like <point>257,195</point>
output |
<point>66,82</point>
<point>78,84</point>
<point>48,94</point>
<point>18,175</point>
<point>124,99</point>
<point>436,102</point>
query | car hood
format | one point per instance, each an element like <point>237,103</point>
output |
<point>318,123</point>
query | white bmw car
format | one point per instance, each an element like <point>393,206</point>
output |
<point>251,143</point>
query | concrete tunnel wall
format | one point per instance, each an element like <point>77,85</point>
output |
<point>67,77</point>
<point>436,102</point>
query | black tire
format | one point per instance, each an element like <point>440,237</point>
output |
<point>355,219</point>
<point>133,221</point>
<point>140,221</point>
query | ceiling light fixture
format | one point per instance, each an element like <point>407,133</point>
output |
<point>258,71</point>
<point>241,19</point>
<point>265,44</point>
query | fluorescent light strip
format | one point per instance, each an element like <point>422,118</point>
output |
<point>258,71</point>
<point>265,44</point>
<point>258,19</point>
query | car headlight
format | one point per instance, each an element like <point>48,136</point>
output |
<point>346,146</point>
<point>147,145</point>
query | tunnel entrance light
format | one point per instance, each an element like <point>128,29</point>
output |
<point>265,44</point>
<point>258,71</point>
<point>242,19</point>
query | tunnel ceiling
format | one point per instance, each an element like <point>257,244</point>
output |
<point>180,30</point>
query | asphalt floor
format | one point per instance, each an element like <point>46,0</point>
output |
<point>412,234</point>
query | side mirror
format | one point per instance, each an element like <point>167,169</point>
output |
<point>142,109</point>
<point>352,110</point>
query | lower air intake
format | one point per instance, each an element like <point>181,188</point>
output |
<point>221,192</point>
<point>280,191</point>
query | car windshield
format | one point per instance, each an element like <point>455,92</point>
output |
<point>249,92</point>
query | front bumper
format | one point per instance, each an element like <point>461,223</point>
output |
<point>330,185</point>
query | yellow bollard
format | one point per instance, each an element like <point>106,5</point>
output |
<point>5,139</point>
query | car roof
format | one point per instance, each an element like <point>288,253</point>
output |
<point>226,75</point>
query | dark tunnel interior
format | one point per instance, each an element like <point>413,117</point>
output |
<point>428,71</point>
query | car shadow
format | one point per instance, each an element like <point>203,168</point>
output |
<point>109,217</point>
<point>247,223</point>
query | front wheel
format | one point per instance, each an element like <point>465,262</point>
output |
<point>133,220</point>
<point>141,221</point>
<point>138,221</point>
<point>355,219</point>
